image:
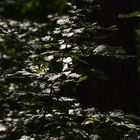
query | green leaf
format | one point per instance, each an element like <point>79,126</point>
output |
<point>47,46</point>
<point>39,70</point>
<point>46,65</point>
<point>130,15</point>
<point>82,78</point>
<point>65,26</point>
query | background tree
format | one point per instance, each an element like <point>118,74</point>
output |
<point>121,90</point>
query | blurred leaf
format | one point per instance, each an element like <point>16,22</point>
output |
<point>130,15</point>
<point>82,78</point>
<point>47,46</point>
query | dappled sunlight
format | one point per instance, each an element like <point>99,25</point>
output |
<point>44,60</point>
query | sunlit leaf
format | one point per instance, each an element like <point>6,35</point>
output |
<point>82,78</point>
<point>47,46</point>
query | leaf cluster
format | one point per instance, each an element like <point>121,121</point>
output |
<point>40,62</point>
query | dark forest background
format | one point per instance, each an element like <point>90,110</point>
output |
<point>69,69</point>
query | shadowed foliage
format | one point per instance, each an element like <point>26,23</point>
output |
<point>62,76</point>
